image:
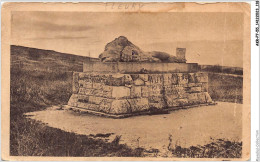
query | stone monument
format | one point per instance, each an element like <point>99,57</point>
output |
<point>129,81</point>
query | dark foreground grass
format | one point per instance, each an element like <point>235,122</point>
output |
<point>220,148</point>
<point>31,138</point>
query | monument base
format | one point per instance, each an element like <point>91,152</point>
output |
<point>119,116</point>
<point>122,95</point>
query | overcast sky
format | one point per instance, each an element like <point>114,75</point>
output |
<point>210,38</point>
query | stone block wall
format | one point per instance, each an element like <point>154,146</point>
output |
<point>132,93</point>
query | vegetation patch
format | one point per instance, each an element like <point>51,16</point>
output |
<point>31,138</point>
<point>227,88</point>
<point>220,148</point>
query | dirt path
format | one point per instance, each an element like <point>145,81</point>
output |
<point>195,126</point>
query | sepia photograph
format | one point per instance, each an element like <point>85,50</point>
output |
<point>126,81</point>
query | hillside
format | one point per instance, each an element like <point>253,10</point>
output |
<point>47,60</point>
<point>221,69</point>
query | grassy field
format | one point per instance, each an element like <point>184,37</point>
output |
<point>225,83</point>
<point>41,78</point>
<point>227,88</point>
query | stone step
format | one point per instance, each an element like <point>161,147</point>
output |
<point>124,106</point>
<point>119,116</point>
